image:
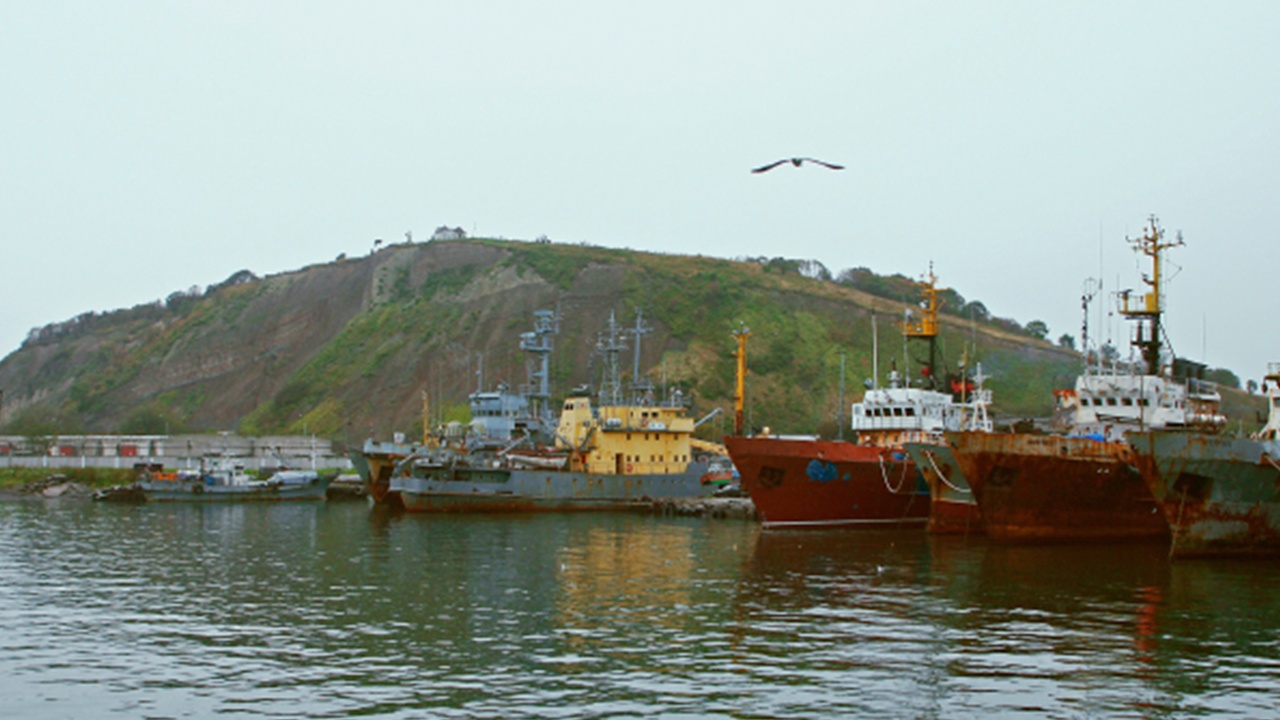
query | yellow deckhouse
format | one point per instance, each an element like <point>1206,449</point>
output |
<point>625,439</point>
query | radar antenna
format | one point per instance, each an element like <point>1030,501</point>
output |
<point>1091,288</point>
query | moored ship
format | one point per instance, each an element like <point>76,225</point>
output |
<point>952,507</point>
<point>498,416</point>
<point>800,482</point>
<point>812,482</point>
<point>1053,487</point>
<point>1083,484</point>
<point>1219,494</point>
<point>604,458</point>
<point>608,455</point>
<point>223,480</point>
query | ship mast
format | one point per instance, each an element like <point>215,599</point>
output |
<point>538,344</point>
<point>641,386</point>
<point>927,327</point>
<point>1090,291</point>
<point>610,345</point>
<point>740,385</point>
<point>1146,309</point>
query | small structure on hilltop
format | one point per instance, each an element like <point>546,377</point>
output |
<point>444,232</point>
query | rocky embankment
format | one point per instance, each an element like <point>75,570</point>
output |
<point>53,486</point>
<point>712,507</point>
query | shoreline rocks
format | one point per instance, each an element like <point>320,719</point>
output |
<point>714,507</point>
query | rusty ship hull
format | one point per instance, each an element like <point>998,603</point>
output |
<point>469,489</point>
<point>822,483</point>
<point>375,463</point>
<point>1049,488</point>
<point>1220,495</point>
<point>952,507</point>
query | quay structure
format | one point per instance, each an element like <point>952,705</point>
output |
<point>178,452</point>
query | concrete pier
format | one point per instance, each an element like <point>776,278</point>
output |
<point>740,508</point>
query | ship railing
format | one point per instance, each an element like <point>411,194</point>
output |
<point>902,422</point>
<point>980,396</point>
<point>1203,389</point>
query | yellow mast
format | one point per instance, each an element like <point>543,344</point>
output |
<point>1147,308</point>
<point>740,386</point>
<point>927,327</point>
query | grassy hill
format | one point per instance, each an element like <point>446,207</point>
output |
<point>348,349</point>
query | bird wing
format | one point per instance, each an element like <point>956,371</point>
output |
<point>767,168</point>
<point>833,166</point>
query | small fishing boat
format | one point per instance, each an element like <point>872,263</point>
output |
<point>224,480</point>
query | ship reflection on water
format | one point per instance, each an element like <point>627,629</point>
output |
<point>973,627</point>
<point>335,610</point>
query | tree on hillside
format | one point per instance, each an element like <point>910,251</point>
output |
<point>1067,341</point>
<point>814,269</point>
<point>976,311</point>
<point>1223,377</point>
<point>1037,329</point>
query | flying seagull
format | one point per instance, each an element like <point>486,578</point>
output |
<point>796,162</point>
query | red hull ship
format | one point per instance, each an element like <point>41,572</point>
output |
<point>804,481</point>
<point>809,483</point>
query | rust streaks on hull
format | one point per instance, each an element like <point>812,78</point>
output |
<point>1033,488</point>
<point>952,509</point>
<point>1220,495</point>
<point>478,489</point>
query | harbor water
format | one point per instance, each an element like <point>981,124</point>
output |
<point>331,610</point>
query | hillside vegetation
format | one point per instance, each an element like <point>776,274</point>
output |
<point>349,349</point>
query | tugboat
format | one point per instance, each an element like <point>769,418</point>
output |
<point>811,482</point>
<point>1219,494</point>
<point>1084,485</point>
<point>608,455</point>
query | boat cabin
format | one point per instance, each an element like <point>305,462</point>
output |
<point>1110,402</point>
<point>494,414</point>
<point>899,414</point>
<point>625,439</point>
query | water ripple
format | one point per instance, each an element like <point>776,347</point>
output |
<point>333,611</point>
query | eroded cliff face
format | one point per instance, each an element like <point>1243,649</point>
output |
<point>225,354</point>
<point>349,349</point>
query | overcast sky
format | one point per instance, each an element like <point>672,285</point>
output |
<point>146,147</point>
